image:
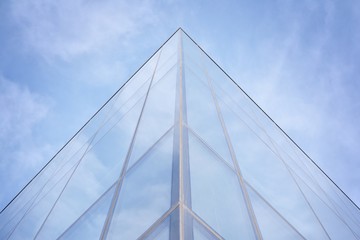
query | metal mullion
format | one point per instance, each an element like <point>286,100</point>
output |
<point>123,171</point>
<point>174,228</point>
<point>235,162</point>
<point>211,149</point>
<point>180,191</point>
<point>148,150</point>
<point>181,183</point>
<point>158,222</point>
<point>88,209</point>
<point>204,224</point>
<point>185,187</point>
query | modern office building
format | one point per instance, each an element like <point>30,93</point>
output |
<point>180,152</point>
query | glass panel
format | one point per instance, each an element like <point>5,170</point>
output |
<point>44,182</point>
<point>162,232</point>
<point>202,115</point>
<point>98,170</point>
<point>191,51</point>
<point>9,224</point>
<point>272,225</point>
<point>339,202</point>
<point>158,115</point>
<point>329,198</point>
<point>266,172</point>
<point>353,212</point>
<point>69,155</point>
<point>201,233</point>
<point>168,50</point>
<point>216,194</point>
<point>27,226</point>
<point>145,193</point>
<point>194,229</point>
<point>334,225</point>
<point>137,82</point>
<point>248,114</point>
<point>163,69</point>
<point>91,222</point>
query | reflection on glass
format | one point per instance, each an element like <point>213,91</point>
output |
<point>200,233</point>
<point>272,225</point>
<point>145,193</point>
<point>216,193</point>
<point>334,225</point>
<point>98,170</point>
<point>161,232</point>
<point>196,230</point>
<point>29,224</point>
<point>202,116</point>
<point>269,176</point>
<point>291,197</point>
<point>158,115</point>
<point>89,225</point>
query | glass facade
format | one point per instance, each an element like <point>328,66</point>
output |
<point>180,152</point>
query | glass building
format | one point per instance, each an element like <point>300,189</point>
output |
<point>180,151</point>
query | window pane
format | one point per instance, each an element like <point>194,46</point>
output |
<point>145,193</point>
<point>334,225</point>
<point>90,224</point>
<point>268,175</point>
<point>158,115</point>
<point>161,232</point>
<point>197,230</point>
<point>202,115</point>
<point>216,193</point>
<point>272,225</point>
<point>98,170</point>
<point>29,224</point>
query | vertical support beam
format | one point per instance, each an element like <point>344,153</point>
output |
<point>180,191</point>
<point>185,197</point>
<point>181,155</point>
<point>175,176</point>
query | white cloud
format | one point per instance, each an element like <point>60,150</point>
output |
<point>21,111</point>
<point>305,79</point>
<point>70,28</point>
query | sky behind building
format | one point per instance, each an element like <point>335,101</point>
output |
<point>61,60</point>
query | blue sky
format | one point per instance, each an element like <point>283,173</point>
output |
<point>61,60</point>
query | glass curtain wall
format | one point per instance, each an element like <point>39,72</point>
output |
<point>180,152</point>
